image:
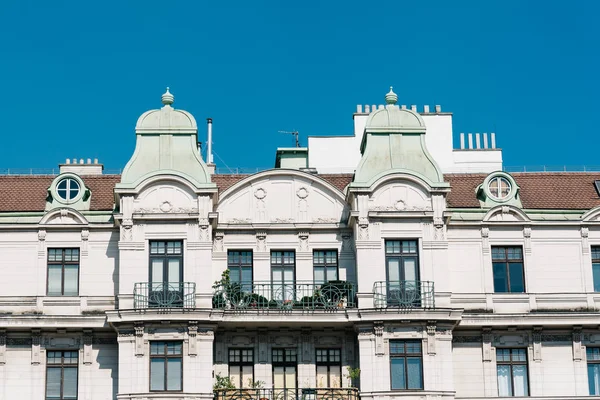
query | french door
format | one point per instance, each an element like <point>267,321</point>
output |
<point>402,264</point>
<point>166,274</point>
<point>285,374</point>
<point>283,275</point>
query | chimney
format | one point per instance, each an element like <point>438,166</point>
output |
<point>81,168</point>
<point>209,156</point>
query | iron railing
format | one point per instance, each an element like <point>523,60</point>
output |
<point>287,394</point>
<point>164,295</point>
<point>332,295</point>
<point>404,294</point>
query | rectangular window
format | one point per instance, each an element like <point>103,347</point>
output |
<point>285,362</point>
<point>61,375</point>
<point>325,265</point>
<point>596,267</point>
<point>509,276</point>
<point>239,263</point>
<point>283,275</point>
<point>512,372</point>
<point>166,274</point>
<point>241,367</point>
<point>406,363</point>
<point>329,368</point>
<point>593,367</point>
<point>63,272</point>
<point>166,366</point>
<point>402,268</point>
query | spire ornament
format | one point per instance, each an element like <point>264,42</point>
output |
<point>391,97</point>
<point>167,98</point>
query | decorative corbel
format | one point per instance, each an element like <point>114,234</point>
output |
<point>585,245</point>
<point>218,242</point>
<point>36,344</point>
<point>306,345</point>
<point>577,339</point>
<point>261,241</point>
<point>263,343</point>
<point>193,338</point>
<point>85,235</point>
<point>303,239</point>
<point>139,339</point>
<point>485,239</point>
<point>42,243</point>
<point>527,237</point>
<point>431,327</point>
<point>486,338</point>
<point>87,346</point>
<point>363,228</point>
<point>537,343</point>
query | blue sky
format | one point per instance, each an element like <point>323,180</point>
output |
<point>76,75</point>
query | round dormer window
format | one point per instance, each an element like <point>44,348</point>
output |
<point>499,187</point>
<point>68,189</point>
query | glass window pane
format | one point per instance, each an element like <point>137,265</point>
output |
<point>596,274</point>
<point>393,269</point>
<point>516,278</point>
<point>335,376</point>
<point>322,376</point>
<point>594,379</point>
<point>235,374</point>
<point>53,383</point>
<point>519,355</point>
<point>70,383</point>
<point>157,272</point>
<point>332,274</point>
<point>398,373</point>
<point>414,369</point>
<point>413,347</point>
<point>278,377</point>
<point>520,380</point>
<point>290,377</point>
<point>174,271</point>
<point>54,279</point>
<point>173,348</point>
<point>156,347</point>
<point>595,252</point>
<point>500,278</point>
<point>319,275</point>
<point>157,374</point>
<point>234,274</point>
<point>247,376</point>
<point>71,280</point>
<point>410,269</point>
<point>504,381</point>
<point>246,275</point>
<point>174,374</point>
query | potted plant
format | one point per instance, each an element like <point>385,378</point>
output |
<point>353,376</point>
<point>222,387</point>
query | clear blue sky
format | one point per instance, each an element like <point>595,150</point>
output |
<point>76,75</point>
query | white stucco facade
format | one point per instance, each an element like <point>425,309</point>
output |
<point>414,296</point>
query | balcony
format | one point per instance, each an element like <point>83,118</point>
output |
<point>403,294</point>
<point>331,296</point>
<point>287,394</point>
<point>164,295</point>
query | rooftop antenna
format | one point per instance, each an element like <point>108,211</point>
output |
<point>295,134</point>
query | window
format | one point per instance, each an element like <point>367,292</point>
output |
<point>241,367</point>
<point>325,266</point>
<point>284,368</point>
<point>406,363</point>
<point>166,272</point>
<point>596,267</point>
<point>68,189</point>
<point>239,263</point>
<point>499,187</point>
<point>63,272</point>
<point>402,263</point>
<point>283,274</point>
<point>512,372</point>
<point>61,375</point>
<point>329,368</point>
<point>593,367</point>
<point>508,269</point>
<point>166,366</point>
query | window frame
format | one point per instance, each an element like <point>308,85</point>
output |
<point>240,363</point>
<point>285,363</point>
<point>62,263</point>
<point>507,261</point>
<point>282,265</point>
<point>165,356</point>
<point>240,264</point>
<point>592,361</point>
<point>401,256</point>
<point>62,367</point>
<point>324,265</point>
<point>510,363</point>
<point>165,258</point>
<point>405,356</point>
<point>595,257</point>
<point>329,364</point>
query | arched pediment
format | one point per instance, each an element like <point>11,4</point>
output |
<point>63,216</point>
<point>506,213</point>
<point>167,194</point>
<point>400,194</point>
<point>591,215</point>
<point>282,196</point>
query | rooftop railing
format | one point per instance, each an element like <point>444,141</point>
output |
<point>164,295</point>
<point>404,294</point>
<point>331,295</point>
<point>287,394</point>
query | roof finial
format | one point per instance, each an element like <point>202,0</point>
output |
<point>168,98</point>
<point>391,97</point>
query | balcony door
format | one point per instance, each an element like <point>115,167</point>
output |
<point>285,378</point>
<point>402,265</point>
<point>283,275</point>
<point>166,274</point>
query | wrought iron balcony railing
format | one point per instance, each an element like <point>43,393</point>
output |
<point>287,394</point>
<point>404,294</point>
<point>332,295</point>
<point>164,295</point>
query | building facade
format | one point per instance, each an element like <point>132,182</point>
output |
<point>413,270</point>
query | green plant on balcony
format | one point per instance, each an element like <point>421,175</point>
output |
<point>256,384</point>
<point>334,294</point>
<point>223,383</point>
<point>353,375</point>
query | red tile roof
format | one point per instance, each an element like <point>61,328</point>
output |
<point>543,190</point>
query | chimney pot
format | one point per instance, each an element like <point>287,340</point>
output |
<point>67,161</point>
<point>438,108</point>
<point>89,160</point>
<point>413,108</point>
<point>95,161</point>
<point>426,108</point>
<point>462,140</point>
<point>74,161</point>
<point>359,108</point>
<point>81,161</point>
<point>367,108</point>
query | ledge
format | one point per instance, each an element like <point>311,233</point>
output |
<point>53,321</point>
